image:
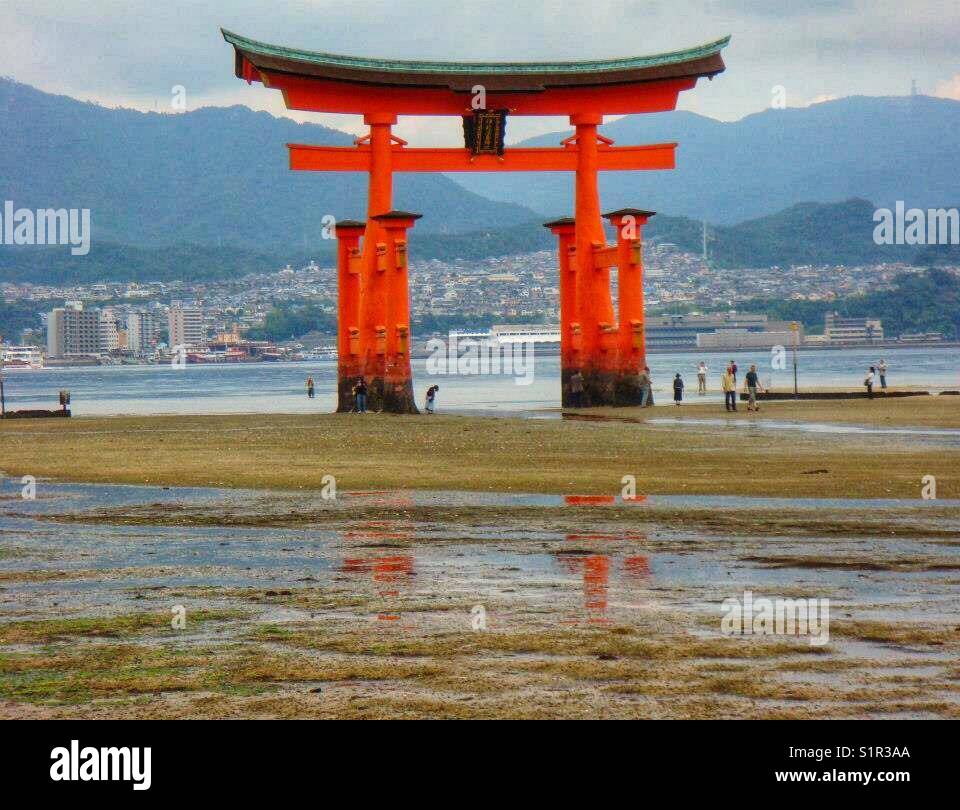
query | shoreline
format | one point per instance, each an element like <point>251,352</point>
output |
<point>546,350</point>
<point>553,349</point>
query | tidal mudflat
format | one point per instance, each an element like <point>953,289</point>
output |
<point>884,452</point>
<point>437,603</point>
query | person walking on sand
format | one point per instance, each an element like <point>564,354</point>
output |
<point>576,389</point>
<point>646,388</point>
<point>702,378</point>
<point>871,376</point>
<point>360,393</point>
<point>733,370</point>
<point>729,385</point>
<point>431,402</point>
<point>752,381</point>
<point>678,389</point>
<point>882,369</point>
<point>310,387</point>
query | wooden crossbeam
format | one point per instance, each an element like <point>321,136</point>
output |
<point>605,257</point>
<point>519,159</point>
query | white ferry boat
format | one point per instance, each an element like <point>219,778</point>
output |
<point>320,354</point>
<point>13,358</point>
<point>526,333</point>
<point>522,333</point>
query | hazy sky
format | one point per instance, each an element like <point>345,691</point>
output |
<point>133,52</point>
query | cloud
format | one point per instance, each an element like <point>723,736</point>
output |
<point>132,52</point>
<point>949,88</point>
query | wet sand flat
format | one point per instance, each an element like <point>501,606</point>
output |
<point>455,604</point>
<point>502,454</point>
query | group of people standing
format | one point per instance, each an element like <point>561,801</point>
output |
<point>728,384</point>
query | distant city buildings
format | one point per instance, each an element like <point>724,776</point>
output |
<point>461,294</point>
<point>852,330</point>
<point>718,330</point>
<point>745,339</point>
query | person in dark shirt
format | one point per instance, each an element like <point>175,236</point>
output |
<point>753,385</point>
<point>678,389</point>
<point>360,392</point>
<point>431,398</point>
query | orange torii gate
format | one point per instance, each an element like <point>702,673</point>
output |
<point>374,318</point>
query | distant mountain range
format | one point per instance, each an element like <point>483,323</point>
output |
<point>879,149</point>
<point>805,233</point>
<point>215,176</point>
<point>207,194</point>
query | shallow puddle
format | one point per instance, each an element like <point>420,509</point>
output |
<point>942,436</point>
<point>597,566</point>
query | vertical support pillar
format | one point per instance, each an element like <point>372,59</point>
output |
<point>631,341</point>
<point>594,304</point>
<point>570,337</point>
<point>349,344</point>
<point>374,295</point>
<point>397,392</point>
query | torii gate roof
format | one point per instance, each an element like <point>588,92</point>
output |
<point>254,59</point>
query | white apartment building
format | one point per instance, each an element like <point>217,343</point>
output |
<point>186,325</point>
<point>73,330</point>
<point>109,332</point>
<point>141,333</point>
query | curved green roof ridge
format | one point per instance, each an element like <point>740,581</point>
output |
<point>319,58</point>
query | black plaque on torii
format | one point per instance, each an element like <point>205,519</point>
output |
<point>484,131</point>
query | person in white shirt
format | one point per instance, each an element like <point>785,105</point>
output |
<point>882,369</point>
<point>871,376</point>
<point>702,378</point>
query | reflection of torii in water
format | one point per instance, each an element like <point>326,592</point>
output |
<point>373,312</point>
<point>595,569</point>
<point>389,571</point>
